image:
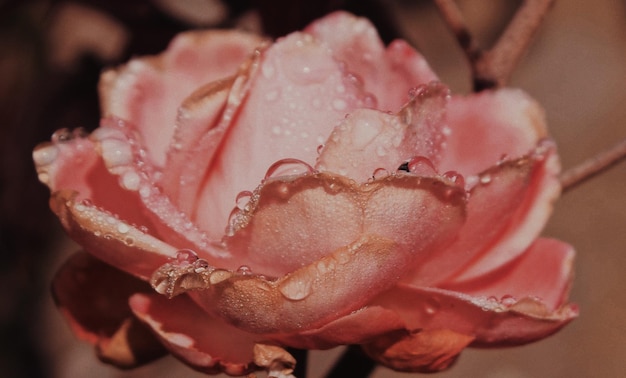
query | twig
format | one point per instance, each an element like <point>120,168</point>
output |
<point>593,166</point>
<point>494,68</point>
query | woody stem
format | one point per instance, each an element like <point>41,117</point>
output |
<point>593,166</point>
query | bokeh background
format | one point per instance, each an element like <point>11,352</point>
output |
<point>51,53</point>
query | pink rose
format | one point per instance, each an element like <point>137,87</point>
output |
<point>318,191</point>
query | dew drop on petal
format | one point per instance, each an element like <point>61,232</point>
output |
<point>200,265</point>
<point>485,179</point>
<point>244,270</point>
<point>62,135</point>
<point>45,155</point>
<point>295,289</point>
<point>421,166</point>
<point>288,167</point>
<point>123,228</point>
<point>380,173</point>
<point>508,300</point>
<point>242,199</point>
<point>130,180</point>
<point>320,148</point>
<point>455,177</point>
<point>186,256</point>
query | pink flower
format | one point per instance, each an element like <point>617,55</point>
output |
<point>318,191</point>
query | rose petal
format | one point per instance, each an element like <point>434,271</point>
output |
<point>423,351</point>
<point>203,342</point>
<point>394,207</point>
<point>110,239</point>
<point>544,271</point>
<point>486,126</point>
<point>370,140</point>
<point>93,297</point>
<point>387,73</point>
<point>529,218</point>
<point>359,327</point>
<point>298,93</point>
<point>506,210</point>
<point>430,212</point>
<point>492,321</point>
<point>147,91</point>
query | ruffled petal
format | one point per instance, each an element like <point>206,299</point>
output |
<point>387,73</point>
<point>543,272</point>
<point>507,208</point>
<point>423,351</point>
<point>148,91</point>
<point>404,218</point>
<point>93,297</point>
<point>203,342</point>
<point>298,94</point>
<point>491,321</point>
<point>110,239</point>
<point>369,140</point>
<point>490,125</point>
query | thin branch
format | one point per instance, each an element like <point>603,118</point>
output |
<point>496,66</point>
<point>593,166</point>
<point>454,19</point>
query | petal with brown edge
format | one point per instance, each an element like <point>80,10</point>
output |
<point>424,351</point>
<point>93,297</point>
<point>506,210</point>
<point>203,342</point>
<point>387,73</point>
<point>490,321</point>
<point>486,126</point>
<point>316,293</point>
<point>369,140</point>
<point>147,91</point>
<point>544,271</point>
<point>108,238</point>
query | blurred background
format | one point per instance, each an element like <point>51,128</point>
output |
<point>51,54</point>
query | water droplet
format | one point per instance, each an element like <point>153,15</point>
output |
<point>186,256</point>
<point>380,173</point>
<point>455,177</point>
<point>219,275</point>
<point>62,135</point>
<point>144,191</point>
<point>508,300</point>
<point>319,149</point>
<point>268,70</point>
<point>370,101</point>
<point>287,167</point>
<point>200,265</point>
<point>129,241</point>
<point>130,180</point>
<point>244,270</point>
<point>116,153</point>
<point>243,199</point>
<point>422,166</point>
<point>45,154</point>
<point>296,289</point>
<point>143,229</point>
<point>87,202</point>
<point>122,228</point>
<point>485,179</point>
<point>339,104</point>
<point>276,130</point>
<point>381,151</point>
<point>272,95</point>
<point>446,131</point>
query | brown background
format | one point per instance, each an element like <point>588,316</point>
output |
<point>576,69</point>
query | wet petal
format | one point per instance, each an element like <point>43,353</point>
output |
<point>359,327</point>
<point>544,271</point>
<point>369,140</point>
<point>422,351</point>
<point>298,94</point>
<point>93,297</point>
<point>486,126</point>
<point>387,73</point>
<point>372,263</point>
<point>507,208</point>
<point>492,321</point>
<point>147,91</point>
<point>203,342</point>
